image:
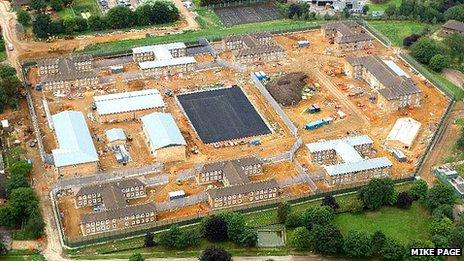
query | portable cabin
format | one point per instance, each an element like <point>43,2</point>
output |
<point>315,124</point>
<point>176,194</point>
<point>302,44</point>
<point>399,155</point>
<point>117,69</point>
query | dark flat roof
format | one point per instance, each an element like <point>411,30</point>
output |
<point>222,115</point>
<point>454,25</point>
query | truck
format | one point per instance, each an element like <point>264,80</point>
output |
<point>10,47</point>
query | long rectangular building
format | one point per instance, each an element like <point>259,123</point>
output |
<point>128,105</point>
<point>395,89</point>
<point>76,153</point>
<point>347,36</point>
<point>253,47</point>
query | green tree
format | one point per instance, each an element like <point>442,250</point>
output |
<point>6,71</point>
<point>320,215</point>
<point>300,239</point>
<point>38,4</point>
<point>377,192</point>
<point>70,25</point>
<point>143,14</point>
<point>404,200</point>
<point>439,62</point>
<point>97,23</point>
<point>392,250</point>
<point>442,211</point>
<point>294,220</point>
<point>358,244</point>
<point>440,241</point>
<point>164,12</point>
<point>378,238</point>
<point>41,26</point>
<point>149,240</point>
<point>35,225</point>
<point>187,238</point>
<point>3,249</point>
<point>57,5</point>
<point>214,229</point>
<point>455,13</point>
<point>421,244</point>
<point>136,257</point>
<point>419,189</point>
<point>169,238</point>
<point>22,204</point>
<point>456,238</point>
<point>455,44</point>
<point>330,201</point>
<point>213,253</point>
<point>355,206</point>
<point>438,195</point>
<point>24,17</point>
<point>424,49</point>
<point>120,17</point>
<point>390,11</point>
<point>326,239</point>
<point>283,209</point>
<point>249,238</point>
<point>442,226</point>
<point>235,225</point>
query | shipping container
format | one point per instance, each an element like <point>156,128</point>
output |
<point>176,194</point>
<point>399,155</point>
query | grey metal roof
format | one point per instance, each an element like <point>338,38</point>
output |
<point>350,167</point>
<point>395,85</point>
<point>67,71</point>
<point>162,130</point>
<point>167,62</point>
<point>74,140</point>
<point>260,50</point>
<point>331,144</point>
<point>115,134</point>
<point>454,25</point>
<point>118,213</point>
<point>350,31</point>
<point>242,189</point>
<point>120,184</point>
<point>154,48</point>
<point>128,101</point>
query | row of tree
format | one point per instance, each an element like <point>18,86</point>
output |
<point>22,208</point>
<point>120,17</point>
<point>314,228</point>
<point>438,54</point>
<point>9,87</point>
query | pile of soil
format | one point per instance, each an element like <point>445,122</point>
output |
<point>287,89</point>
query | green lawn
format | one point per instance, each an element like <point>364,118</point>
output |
<point>383,6</point>
<point>2,56</point>
<point>78,7</point>
<point>403,225</point>
<point>190,36</point>
<point>396,31</point>
<point>19,255</point>
<point>207,18</point>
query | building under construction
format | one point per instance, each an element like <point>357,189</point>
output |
<point>347,36</point>
<point>253,47</point>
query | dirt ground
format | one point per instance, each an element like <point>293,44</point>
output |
<point>333,94</point>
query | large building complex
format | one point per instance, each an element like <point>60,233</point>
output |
<point>347,36</point>
<point>344,160</point>
<point>396,90</point>
<point>253,47</point>
<point>64,74</point>
<point>238,189</point>
<point>76,153</point>
<point>164,59</point>
<point>127,105</point>
<point>110,208</point>
<point>163,137</point>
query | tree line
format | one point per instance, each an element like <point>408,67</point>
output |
<point>22,210</point>
<point>120,17</point>
<point>9,88</point>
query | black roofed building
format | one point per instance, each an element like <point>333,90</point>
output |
<point>396,90</point>
<point>347,36</point>
<point>453,27</point>
<point>238,189</point>
<point>64,74</point>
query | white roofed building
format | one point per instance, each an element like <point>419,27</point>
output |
<point>76,153</point>
<point>163,137</point>
<point>164,59</point>
<point>404,133</point>
<point>128,105</point>
<point>116,136</point>
<point>345,160</point>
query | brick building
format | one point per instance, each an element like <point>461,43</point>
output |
<point>253,47</point>
<point>111,210</point>
<point>237,188</point>
<point>67,73</point>
<point>396,90</point>
<point>347,36</point>
<point>127,105</point>
<point>159,52</point>
<point>345,160</point>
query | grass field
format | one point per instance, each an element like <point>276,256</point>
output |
<point>403,225</point>
<point>190,36</point>
<point>208,19</point>
<point>396,31</point>
<point>2,56</point>
<point>78,7</point>
<point>383,6</point>
<point>20,255</point>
